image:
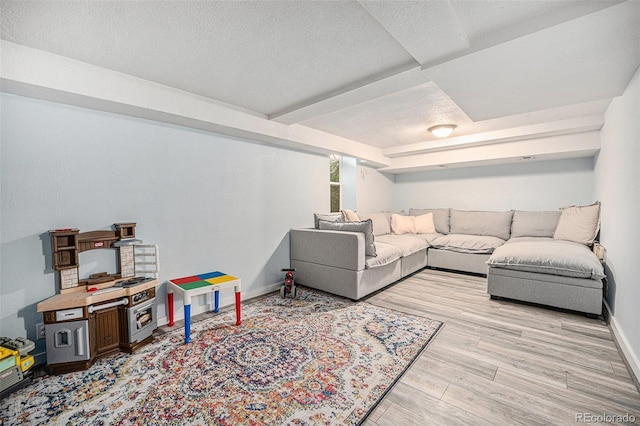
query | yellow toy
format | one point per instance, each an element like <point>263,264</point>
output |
<point>14,362</point>
<point>8,358</point>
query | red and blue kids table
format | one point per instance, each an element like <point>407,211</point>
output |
<point>196,285</point>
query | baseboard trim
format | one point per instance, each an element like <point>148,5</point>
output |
<point>628,356</point>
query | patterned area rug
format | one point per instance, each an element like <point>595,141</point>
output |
<point>315,360</point>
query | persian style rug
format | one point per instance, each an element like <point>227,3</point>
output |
<point>315,360</point>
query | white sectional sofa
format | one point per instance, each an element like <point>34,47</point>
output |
<point>539,257</point>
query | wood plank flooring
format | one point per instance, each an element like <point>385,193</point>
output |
<point>501,362</point>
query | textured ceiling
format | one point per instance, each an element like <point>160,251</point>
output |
<point>396,119</point>
<point>374,72</point>
<point>263,56</point>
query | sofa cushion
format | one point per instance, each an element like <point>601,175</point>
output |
<point>380,222</point>
<point>534,224</point>
<point>408,243</point>
<point>579,224</point>
<point>330,217</point>
<point>465,243</point>
<point>440,218</point>
<point>429,237</point>
<point>548,256</point>
<point>386,253</point>
<point>424,224</point>
<point>402,224</point>
<point>495,224</point>
<point>366,227</point>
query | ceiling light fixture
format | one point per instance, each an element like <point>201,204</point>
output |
<point>442,130</point>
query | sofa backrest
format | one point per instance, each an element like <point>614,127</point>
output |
<point>495,224</point>
<point>534,224</point>
<point>440,218</point>
<point>380,222</point>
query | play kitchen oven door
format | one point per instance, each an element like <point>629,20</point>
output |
<point>141,316</point>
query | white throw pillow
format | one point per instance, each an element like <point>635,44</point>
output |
<point>402,224</point>
<point>579,224</point>
<point>350,216</point>
<point>424,224</point>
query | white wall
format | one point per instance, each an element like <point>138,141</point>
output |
<point>617,184</point>
<point>210,202</point>
<point>374,190</point>
<point>533,185</point>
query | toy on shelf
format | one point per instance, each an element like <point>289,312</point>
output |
<point>288,288</point>
<point>15,363</point>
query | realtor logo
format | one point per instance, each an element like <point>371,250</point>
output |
<point>605,418</point>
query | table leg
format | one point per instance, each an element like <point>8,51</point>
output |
<point>238,320</point>
<point>170,307</point>
<point>187,323</point>
<point>216,296</point>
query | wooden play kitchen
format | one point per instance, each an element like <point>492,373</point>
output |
<point>105,313</point>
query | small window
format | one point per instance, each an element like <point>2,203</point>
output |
<point>334,183</point>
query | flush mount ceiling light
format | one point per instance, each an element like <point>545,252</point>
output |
<point>442,130</point>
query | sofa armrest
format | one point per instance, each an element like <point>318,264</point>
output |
<point>339,249</point>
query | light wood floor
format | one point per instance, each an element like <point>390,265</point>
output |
<point>501,362</point>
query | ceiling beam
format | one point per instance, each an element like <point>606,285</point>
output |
<point>31,72</point>
<point>426,30</point>
<point>560,15</point>
<point>554,128</point>
<point>547,148</point>
<point>362,91</point>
